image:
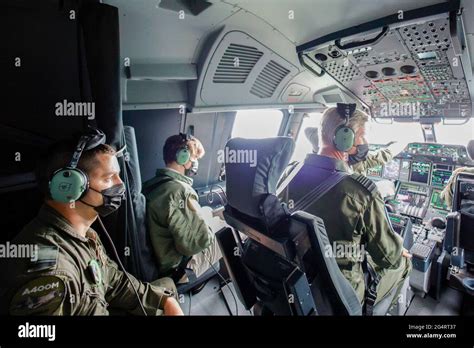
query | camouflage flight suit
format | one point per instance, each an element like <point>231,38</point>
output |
<point>373,160</point>
<point>448,191</point>
<point>71,275</point>
<point>354,215</point>
<point>178,230</point>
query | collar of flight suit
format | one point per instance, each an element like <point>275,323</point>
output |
<point>327,163</point>
<point>175,175</point>
<point>51,216</point>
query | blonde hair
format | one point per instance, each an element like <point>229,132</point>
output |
<point>176,142</point>
<point>196,148</point>
<point>331,120</point>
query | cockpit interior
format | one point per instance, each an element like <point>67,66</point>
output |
<point>241,75</point>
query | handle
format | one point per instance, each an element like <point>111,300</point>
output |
<point>362,43</point>
<point>303,63</point>
<point>453,31</point>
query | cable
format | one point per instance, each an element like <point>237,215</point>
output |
<point>222,189</point>
<point>211,192</point>
<point>190,297</point>
<point>121,265</point>
<point>226,283</point>
<point>210,198</point>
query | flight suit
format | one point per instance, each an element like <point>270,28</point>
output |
<point>178,228</point>
<point>355,219</point>
<point>71,275</point>
<point>448,191</point>
<point>375,159</point>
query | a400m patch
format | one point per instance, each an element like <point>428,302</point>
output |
<point>42,295</point>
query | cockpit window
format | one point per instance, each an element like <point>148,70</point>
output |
<point>376,134</point>
<point>303,145</point>
<point>403,133</point>
<point>256,124</point>
<point>455,134</point>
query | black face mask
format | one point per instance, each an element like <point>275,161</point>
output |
<point>112,199</point>
<point>361,155</point>
<point>192,171</point>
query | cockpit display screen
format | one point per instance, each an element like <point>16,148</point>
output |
<point>441,175</point>
<point>420,172</point>
<point>412,199</point>
<point>436,201</point>
<point>375,171</point>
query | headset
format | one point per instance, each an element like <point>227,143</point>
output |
<point>70,183</point>
<point>344,136</point>
<point>183,155</point>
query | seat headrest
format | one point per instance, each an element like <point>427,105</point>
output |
<point>470,149</point>
<point>253,168</point>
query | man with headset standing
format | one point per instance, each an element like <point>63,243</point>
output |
<point>71,273</point>
<point>351,207</point>
<point>181,231</point>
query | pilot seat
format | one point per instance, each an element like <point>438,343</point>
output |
<point>276,259</point>
<point>459,242</point>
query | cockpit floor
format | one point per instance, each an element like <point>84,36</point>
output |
<point>449,304</point>
<point>214,300</point>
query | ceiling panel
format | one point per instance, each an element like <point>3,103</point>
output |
<point>150,33</point>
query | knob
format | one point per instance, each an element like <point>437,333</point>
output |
<point>438,222</point>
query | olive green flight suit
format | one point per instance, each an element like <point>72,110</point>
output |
<point>374,159</point>
<point>178,229</point>
<point>71,275</point>
<point>354,215</point>
<point>448,191</point>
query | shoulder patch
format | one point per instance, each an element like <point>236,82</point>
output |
<point>45,258</point>
<point>368,184</point>
<point>42,295</point>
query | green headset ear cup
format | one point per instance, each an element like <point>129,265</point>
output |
<point>68,184</point>
<point>344,138</point>
<point>182,156</point>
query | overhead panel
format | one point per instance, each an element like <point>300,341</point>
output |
<point>413,68</point>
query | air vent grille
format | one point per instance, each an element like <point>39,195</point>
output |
<point>268,80</point>
<point>236,64</point>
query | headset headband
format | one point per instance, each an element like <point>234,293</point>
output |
<point>346,110</point>
<point>94,138</point>
<point>185,136</point>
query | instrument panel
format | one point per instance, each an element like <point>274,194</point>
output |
<point>401,70</point>
<point>454,154</point>
<point>422,171</point>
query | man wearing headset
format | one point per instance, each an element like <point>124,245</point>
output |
<point>360,160</point>
<point>181,231</point>
<point>351,207</point>
<point>70,273</point>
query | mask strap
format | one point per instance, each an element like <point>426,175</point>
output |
<point>93,189</point>
<point>90,205</point>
